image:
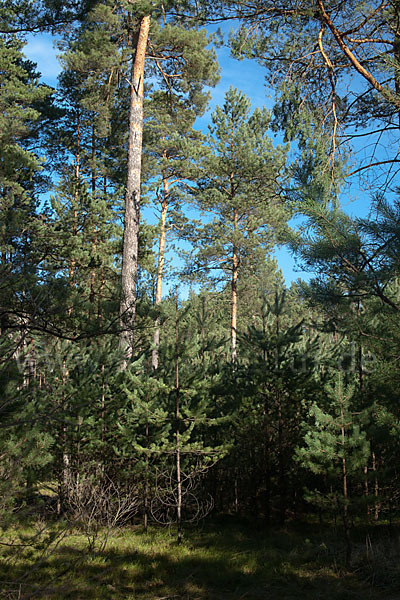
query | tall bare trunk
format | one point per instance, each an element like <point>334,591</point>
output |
<point>160,269</point>
<point>132,196</point>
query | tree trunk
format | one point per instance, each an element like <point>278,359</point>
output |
<point>281,458</point>
<point>396,54</point>
<point>64,473</point>
<point>72,266</point>
<point>281,463</point>
<point>345,514</point>
<point>160,269</point>
<point>177,432</point>
<point>92,293</point>
<point>146,479</point>
<point>267,480</point>
<point>376,488</point>
<point>235,269</point>
<point>132,197</point>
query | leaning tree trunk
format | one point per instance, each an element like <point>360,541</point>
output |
<point>132,196</point>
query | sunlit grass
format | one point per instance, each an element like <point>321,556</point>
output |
<point>223,560</point>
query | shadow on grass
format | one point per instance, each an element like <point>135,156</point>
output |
<point>218,563</point>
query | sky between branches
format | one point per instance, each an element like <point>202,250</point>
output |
<point>245,75</point>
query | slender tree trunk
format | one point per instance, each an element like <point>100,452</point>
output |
<point>236,493</point>
<point>76,199</point>
<point>64,474</point>
<point>160,269</point>
<point>177,432</point>
<point>345,510</point>
<point>361,386</point>
<point>267,479</point>
<point>235,269</point>
<point>203,333</point>
<point>146,479</point>
<point>102,339</point>
<point>366,489</point>
<point>281,457</point>
<point>76,190</point>
<point>396,53</point>
<point>376,488</point>
<point>95,240</point>
<point>281,462</point>
<point>132,196</point>
<point>345,515</point>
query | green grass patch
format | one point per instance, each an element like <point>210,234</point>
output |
<point>221,560</point>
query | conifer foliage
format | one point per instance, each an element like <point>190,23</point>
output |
<point>127,401</point>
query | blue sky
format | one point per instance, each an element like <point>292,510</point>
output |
<point>40,49</point>
<point>245,75</point>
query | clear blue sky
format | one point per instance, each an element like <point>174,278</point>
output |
<point>245,75</point>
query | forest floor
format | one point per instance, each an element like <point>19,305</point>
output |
<point>219,560</point>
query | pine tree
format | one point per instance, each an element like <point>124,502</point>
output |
<point>86,206</point>
<point>170,113</point>
<point>355,261</point>
<point>193,415</point>
<point>95,51</point>
<point>273,384</point>
<point>316,66</point>
<point>130,252</point>
<point>238,175</point>
<point>335,444</point>
<point>170,417</point>
<point>23,243</point>
<point>19,17</point>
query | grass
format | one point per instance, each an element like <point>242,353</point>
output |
<point>223,560</point>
